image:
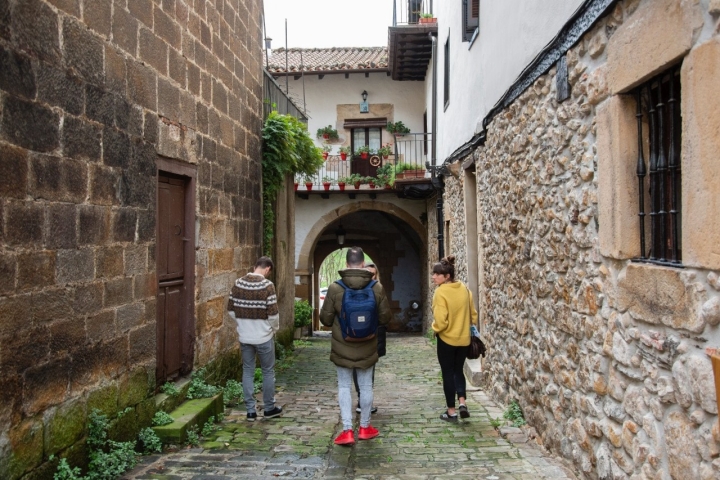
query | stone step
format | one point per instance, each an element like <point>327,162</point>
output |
<point>188,414</point>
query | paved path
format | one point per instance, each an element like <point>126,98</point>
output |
<point>413,443</point>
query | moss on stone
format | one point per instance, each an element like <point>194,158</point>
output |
<point>134,388</point>
<point>192,412</point>
<point>26,440</point>
<point>285,337</point>
<point>104,399</point>
<point>65,426</point>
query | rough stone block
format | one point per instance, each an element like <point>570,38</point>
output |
<point>45,385</point>
<point>16,74</point>
<point>136,261</point>
<point>116,148</point>
<point>58,88</point>
<point>36,270</point>
<point>220,260</point>
<point>142,85</point>
<point>124,30</point>
<point>211,314</point>
<point>29,125</point>
<point>28,346</point>
<point>13,171</point>
<point>193,79</point>
<point>190,413</point>
<point>659,295</point>
<point>93,224</point>
<point>5,20</point>
<point>14,315</point>
<point>8,273</point>
<point>118,292</point>
<point>137,190</point>
<point>104,185</point>
<point>58,179</point>
<point>135,387</point>
<point>700,144</point>
<point>109,262</point>
<point>154,51</point>
<point>655,36</point>
<point>142,10</point>
<point>177,67</point>
<point>98,16</point>
<point>69,6</point>
<point>75,265</point>
<point>67,336</point>
<point>168,100</point>
<point>83,51</point>
<point>177,141</point>
<point>81,140</point>
<point>145,286</point>
<point>130,316</point>
<point>152,124</point>
<point>65,427</point>
<point>146,225</point>
<point>100,105</point>
<point>101,327</point>
<point>617,183</point>
<point>122,111</point>
<point>24,223</point>
<point>35,29</point>
<point>61,231</point>
<point>26,443</point>
<point>166,28</point>
<point>143,344</point>
<point>104,399</point>
<point>115,70</point>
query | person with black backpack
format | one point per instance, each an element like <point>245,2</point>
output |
<point>355,307</point>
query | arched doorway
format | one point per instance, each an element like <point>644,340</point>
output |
<point>396,243</point>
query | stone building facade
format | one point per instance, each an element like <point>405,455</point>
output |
<point>605,355</point>
<point>99,100</point>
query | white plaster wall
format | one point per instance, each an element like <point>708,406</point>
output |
<point>323,96</point>
<point>308,212</point>
<point>512,32</point>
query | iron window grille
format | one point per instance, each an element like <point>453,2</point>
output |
<point>659,126</point>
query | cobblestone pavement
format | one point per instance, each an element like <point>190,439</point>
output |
<point>413,443</point>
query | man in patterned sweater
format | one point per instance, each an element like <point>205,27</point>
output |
<point>253,305</point>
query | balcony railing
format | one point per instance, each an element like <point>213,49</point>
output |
<point>410,154</point>
<point>274,98</point>
<point>409,12</point>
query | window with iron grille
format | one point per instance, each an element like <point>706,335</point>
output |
<point>470,19</point>
<point>659,126</point>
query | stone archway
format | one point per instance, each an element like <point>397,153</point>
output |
<point>394,238</point>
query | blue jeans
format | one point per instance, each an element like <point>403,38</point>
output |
<point>345,381</point>
<point>266,352</point>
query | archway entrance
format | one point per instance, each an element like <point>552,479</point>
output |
<point>394,246</point>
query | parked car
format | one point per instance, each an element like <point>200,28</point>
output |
<point>323,292</point>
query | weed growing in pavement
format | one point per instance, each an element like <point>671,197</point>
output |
<point>496,422</point>
<point>170,389</point>
<point>514,414</point>
<point>301,343</point>
<point>198,387</point>
<point>193,438</point>
<point>232,393</point>
<point>150,441</point>
<point>162,418</point>
<point>208,428</point>
<point>432,338</point>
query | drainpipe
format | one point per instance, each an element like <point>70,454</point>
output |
<point>436,180</point>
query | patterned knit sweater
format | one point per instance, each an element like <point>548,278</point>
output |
<point>253,305</point>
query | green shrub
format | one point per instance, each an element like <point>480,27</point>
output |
<point>170,389</point>
<point>151,443</point>
<point>303,313</point>
<point>162,418</point>
<point>198,388</point>
<point>232,393</point>
<point>514,414</point>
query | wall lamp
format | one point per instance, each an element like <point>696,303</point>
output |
<point>340,234</point>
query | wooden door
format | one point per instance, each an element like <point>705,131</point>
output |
<point>172,334</point>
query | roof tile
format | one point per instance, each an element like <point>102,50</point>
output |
<point>320,60</point>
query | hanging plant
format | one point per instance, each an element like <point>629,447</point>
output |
<point>287,149</point>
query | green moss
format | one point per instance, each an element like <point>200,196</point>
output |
<point>27,449</point>
<point>135,388</point>
<point>65,427</point>
<point>191,413</point>
<point>125,427</point>
<point>104,399</point>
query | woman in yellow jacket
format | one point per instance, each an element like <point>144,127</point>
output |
<point>453,310</point>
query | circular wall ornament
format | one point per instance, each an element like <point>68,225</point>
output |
<point>375,161</point>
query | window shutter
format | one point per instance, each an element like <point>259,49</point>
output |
<point>471,16</point>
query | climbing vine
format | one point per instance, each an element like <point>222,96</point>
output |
<point>287,149</point>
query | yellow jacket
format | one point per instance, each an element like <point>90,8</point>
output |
<point>453,310</point>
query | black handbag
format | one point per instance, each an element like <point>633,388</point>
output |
<point>476,349</point>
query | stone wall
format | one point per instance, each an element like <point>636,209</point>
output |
<point>605,356</point>
<point>92,93</point>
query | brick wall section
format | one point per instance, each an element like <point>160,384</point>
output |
<point>88,88</point>
<point>605,355</point>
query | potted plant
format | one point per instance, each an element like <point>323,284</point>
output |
<point>327,181</point>
<point>385,151</point>
<point>344,152</point>
<point>327,133</point>
<point>385,176</point>
<point>427,18</point>
<point>342,181</point>
<point>303,316</point>
<point>309,182</point>
<point>397,128</point>
<point>364,152</point>
<point>370,181</point>
<point>326,151</point>
<point>408,170</point>
<point>356,179</point>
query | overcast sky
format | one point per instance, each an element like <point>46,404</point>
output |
<point>328,23</point>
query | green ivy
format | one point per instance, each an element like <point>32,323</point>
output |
<point>287,149</point>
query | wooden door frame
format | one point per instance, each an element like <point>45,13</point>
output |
<point>190,171</point>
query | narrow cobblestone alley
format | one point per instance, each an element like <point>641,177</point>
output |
<point>413,442</point>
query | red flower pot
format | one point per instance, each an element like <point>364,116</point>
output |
<point>308,185</point>
<point>364,155</point>
<point>357,185</point>
<point>326,186</point>
<point>326,136</point>
<point>342,186</point>
<point>371,184</point>
<point>325,155</point>
<point>343,156</point>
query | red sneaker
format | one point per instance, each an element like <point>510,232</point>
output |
<point>366,433</point>
<point>347,437</point>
